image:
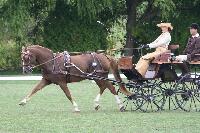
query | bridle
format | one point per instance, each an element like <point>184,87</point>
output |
<point>28,59</point>
<point>30,66</point>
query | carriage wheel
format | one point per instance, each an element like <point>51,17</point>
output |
<point>169,92</point>
<point>188,95</point>
<point>152,99</point>
<point>129,102</point>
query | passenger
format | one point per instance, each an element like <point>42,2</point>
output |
<point>192,48</point>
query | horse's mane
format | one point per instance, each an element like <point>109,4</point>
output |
<point>38,47</point>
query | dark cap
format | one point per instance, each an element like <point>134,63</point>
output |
<point>194,26</point>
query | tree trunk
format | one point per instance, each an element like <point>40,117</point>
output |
<point>130,25</point>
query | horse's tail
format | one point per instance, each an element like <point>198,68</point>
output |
<point>115,71</point>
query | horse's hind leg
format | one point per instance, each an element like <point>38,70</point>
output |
<point>113,91</point>
<point>38,87</point>
<point>65,89</point>
<point>102,87</point>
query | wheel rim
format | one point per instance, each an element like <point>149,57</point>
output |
<point>188,96</point>
<point>169,92</point>
<point>152,99</point>
<point>129,104</point>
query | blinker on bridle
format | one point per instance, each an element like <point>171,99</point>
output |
<point>28,66</point>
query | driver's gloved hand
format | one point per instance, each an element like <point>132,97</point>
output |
<point>145,46</point>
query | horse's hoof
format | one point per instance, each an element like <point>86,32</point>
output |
<point>22,103</point>
<point>122,109</point>
<point>76,110</point>
<point>97,107</point>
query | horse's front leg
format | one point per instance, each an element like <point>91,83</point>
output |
<point>65,89</point>
<point>38,87</point>
<point>113,91</point>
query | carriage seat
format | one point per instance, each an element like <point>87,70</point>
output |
<point>164,57</point>
<point>173,47</point>
<point>196,58</point>
<point>195,62</point>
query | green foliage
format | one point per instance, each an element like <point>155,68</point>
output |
<point>187,12</point>
<point>116,36</point>
<point>91,8</point>
<point>15,20</point>
<point>65,30</point>
<point>166,7</point>
<point>10,56</point>
<point>72,24</point>
<point>41,22</point>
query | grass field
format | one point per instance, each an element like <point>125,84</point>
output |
<point>49,111</point>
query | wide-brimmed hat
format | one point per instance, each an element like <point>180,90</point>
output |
<point>169,25</point>
<point>194,26</point>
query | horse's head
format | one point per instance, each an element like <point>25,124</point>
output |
<point>28,60</point>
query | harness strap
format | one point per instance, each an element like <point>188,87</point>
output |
<point>67,64</point>
<point>54,55</point>
<point>95,63</point>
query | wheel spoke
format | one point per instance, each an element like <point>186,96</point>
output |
<point>194,103</point>
<point>151,106</point>
<point>197,99</point>
<point>190,104</point>
<point>147,106</point>
<point>173,102</point>
<point>156,104</point>
<point>153,97</point>
<point>159,100</point>
<point>126,104</point>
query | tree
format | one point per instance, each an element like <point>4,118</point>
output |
<point>137,11</point>
<point>141,12</point>
<point>186,12</point>
<point>24,19</point>
<point>73,24</point>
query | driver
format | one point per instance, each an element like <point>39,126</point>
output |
<point>161,45</point>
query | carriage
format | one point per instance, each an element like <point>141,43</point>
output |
<point>161,88</point>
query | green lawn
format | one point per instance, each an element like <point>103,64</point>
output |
<point>50,111</point>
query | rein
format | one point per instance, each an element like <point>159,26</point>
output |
<point>46,62</point>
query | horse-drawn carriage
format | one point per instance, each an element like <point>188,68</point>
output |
<point>161,88</point>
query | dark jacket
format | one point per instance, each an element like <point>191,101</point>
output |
<point>193,48</point>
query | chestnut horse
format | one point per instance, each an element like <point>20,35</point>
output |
<point>52,66</point>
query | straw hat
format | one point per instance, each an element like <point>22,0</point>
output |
<point>165,25</point>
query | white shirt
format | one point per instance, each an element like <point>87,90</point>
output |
<point>197,35</point>
<point>162,41</point>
